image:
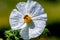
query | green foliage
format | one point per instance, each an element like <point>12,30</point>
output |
<point>12,35</point>
<point>45,32</point>
<point>1,38</point>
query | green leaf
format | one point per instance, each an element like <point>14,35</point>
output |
<point>45,32</point>
<point>12,35</point>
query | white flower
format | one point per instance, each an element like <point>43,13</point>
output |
<point>30,18</point>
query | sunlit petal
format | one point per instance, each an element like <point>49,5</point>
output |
<point>21,7</point>
<point>37,30</point>
<point>15,19</point>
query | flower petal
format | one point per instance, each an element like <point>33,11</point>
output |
<point>27,6</point>
<point>37,30</point>
<point>30,7</point>
<point>42,17</point>
<point>25,33</point>
<point>16,19</point>
<point>38,12</point>
<point>35,9</point>
<point>34,29</point>
<point>21,7</point>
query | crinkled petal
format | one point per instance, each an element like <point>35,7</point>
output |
<point>35,9</point>
<point>42,17</point>
<point>16,20</point>
<point>38,12</point>
<point>27,7</point>
<point>37,30</point>
<point>30,7</point>
<point>34,29</point>
<point>25,33</point>
<point>21,7</point>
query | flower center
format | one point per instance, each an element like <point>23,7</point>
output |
<point>27,19</point>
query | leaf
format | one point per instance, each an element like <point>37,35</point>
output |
<point>45,32</point>
<point>12,35</point>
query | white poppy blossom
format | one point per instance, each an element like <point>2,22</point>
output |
<point>30,18</point>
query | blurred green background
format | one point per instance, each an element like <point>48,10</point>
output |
<point>52,8</point>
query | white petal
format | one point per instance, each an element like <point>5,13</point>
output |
<point>42,17</point>
<point>23,26</point>
<point>30,7</point>
<point>16,19</point>
<point>21,7</point>
<point>33,30</point>
<point>37,30</point>
<point>27,6</point>
<point>35,9</point>
<point>25,33</point>
<point>38,12</point>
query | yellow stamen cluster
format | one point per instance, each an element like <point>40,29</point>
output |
<point>27,19</point>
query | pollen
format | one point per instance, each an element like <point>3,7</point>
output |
<point>27,19</point>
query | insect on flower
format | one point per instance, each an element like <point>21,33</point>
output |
<point>30,18</point>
